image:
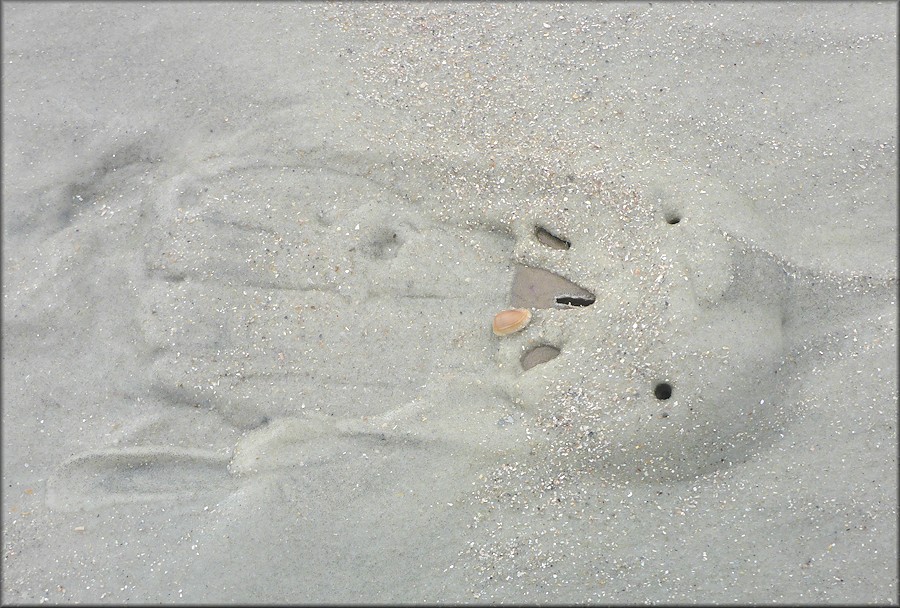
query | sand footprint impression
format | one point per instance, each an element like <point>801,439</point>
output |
<point>302,304</point>
<point>321,297</point>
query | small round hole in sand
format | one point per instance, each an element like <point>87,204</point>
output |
<point>673,218</point>
<point>663,391</point>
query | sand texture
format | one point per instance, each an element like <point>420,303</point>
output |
<point>252,254</point>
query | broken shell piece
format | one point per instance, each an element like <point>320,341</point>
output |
<point>511,321</point>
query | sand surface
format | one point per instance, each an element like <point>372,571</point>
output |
<point>252,252</point>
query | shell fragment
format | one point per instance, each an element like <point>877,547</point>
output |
<point>510,321</point>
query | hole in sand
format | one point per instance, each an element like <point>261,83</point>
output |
<point>574,301</point>
<point>539,354</point>
<point>550,240</point>
<point>663,391</point>
<point>672,217</point>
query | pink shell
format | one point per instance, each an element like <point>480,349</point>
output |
<point>510,321</point>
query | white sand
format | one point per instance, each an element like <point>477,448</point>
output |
<point>251,255</point>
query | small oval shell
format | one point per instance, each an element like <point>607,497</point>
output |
<point>510,321</point>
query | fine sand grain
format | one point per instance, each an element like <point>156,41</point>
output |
<point>252,253</point>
